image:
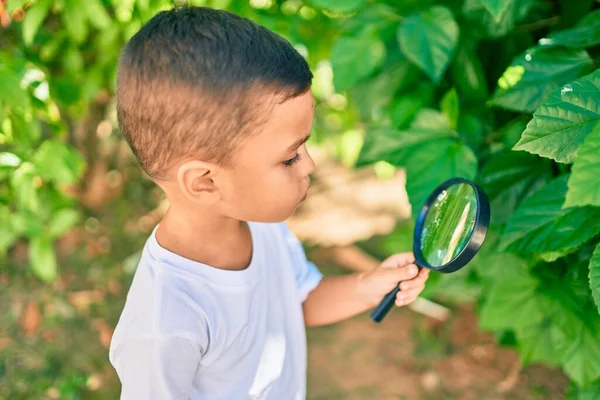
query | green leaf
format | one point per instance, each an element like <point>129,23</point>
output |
<point>42,258</point>
<point>355,58</point>
<point>9,160</point>
<point>34,16</point>
<point>75,21</point>
<point>512,131</point>
<point>73,60</point>
<point>481,23</point>
<point>10,82</point>
<point>24,222</point>
<point>541,225</point>
<point>563,120</point>
<point>404,108</point>
<point>595,276</point>
<point>543,343</point>
<point>450,106</point>
<point>387,144</point>
<point>428,39</point>
<point>584,185</point>
<point>58,162</point>
<point>585,34</point>
<point>512,301</point>
<point>435,162</point>
<point>468,74</point>
<point>496,7</point>
<point>472,129</point>
<point>590,392</point>
<point>342,6</point>
<point>535,73</point>
<point>432,120</point>
<point>24,185</point>
<point>582,356</point>
<point>62,221</point>
<point>396,147</point>
<point>509,177</point>
<point>97,14</point>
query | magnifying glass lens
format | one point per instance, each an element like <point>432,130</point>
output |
<point>448,225</point>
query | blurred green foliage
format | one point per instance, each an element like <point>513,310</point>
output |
<point>506,93</point>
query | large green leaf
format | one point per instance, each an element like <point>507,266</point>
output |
<point>590,392</point>
<point>584,185</point>
<point>595,276</point>
<point>428,39</point>
<point>396,147</point>
<point>355,58</point>
<point>58,162</point>
<point>509,177</point>
<point>580,353</point>
<point>543,342</point>
<point>42,258</point>
<point>35,15</point>
<point>585,34</point>
<point>563,120</point>
<point>582,356</point>
<point>535,73</point>
<point>338,5</point>
<point>434,163</point>
<point>511,300</point>
<point>430,151</point>
<point>540,224</point>
<point>496,7</point>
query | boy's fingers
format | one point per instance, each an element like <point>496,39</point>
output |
<point>404,294</point>
<point>405,300</point>
<point>404,273</point>
<point>398,260</point>
<point>416,282</point>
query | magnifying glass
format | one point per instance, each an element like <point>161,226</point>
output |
<point>450,229</point>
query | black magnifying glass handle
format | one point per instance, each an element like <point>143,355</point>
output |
<point>385,305</point>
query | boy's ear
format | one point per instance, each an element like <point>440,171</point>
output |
<point>195,180</point>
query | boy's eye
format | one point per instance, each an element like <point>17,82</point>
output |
<point>292,161</point>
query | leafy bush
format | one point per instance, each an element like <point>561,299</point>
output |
<point>462,79</point>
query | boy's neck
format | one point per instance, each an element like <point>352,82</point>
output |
<point>219,242</point>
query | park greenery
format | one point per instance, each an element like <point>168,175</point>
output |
<point>505,93</point>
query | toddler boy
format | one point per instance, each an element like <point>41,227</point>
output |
<point>217,110</point>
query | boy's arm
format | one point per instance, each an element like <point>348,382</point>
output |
<point>156,367</point>
<point>338,298</point>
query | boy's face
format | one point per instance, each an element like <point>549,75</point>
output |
<point>269,175</point>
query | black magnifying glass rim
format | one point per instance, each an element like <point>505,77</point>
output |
<point>482,221</point>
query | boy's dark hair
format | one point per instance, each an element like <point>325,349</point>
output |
<point>191,80</point>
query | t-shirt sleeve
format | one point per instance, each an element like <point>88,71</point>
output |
<point>156,367</point>
<point>307,274</point>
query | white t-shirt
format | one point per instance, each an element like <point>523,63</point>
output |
<point>190,331</point>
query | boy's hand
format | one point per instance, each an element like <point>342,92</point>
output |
<point>374,285</point>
